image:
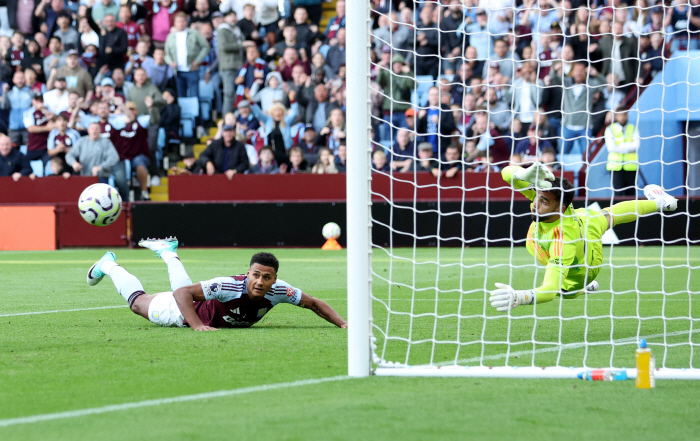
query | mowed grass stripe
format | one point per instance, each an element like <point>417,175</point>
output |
<point>162,401</point>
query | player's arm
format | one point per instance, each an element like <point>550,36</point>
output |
<point>525,180</point>
<point>322,309</point>
<point>185,298</point>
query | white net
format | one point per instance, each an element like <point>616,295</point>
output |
<point>606,96</point>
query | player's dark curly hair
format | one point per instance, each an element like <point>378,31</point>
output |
<point>561,186</point>
<point>265,259</point>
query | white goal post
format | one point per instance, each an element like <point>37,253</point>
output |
<point>419,280</point>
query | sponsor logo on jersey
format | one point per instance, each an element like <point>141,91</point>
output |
<point>290,291</point>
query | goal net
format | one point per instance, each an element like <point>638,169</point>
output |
<point>606,96</point>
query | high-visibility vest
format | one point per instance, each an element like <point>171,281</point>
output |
<point>622,161</point>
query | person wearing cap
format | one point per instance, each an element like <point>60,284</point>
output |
<point>247,122</point>
<point>309,144</point>
<point>225,155</point>
<point>230,47</point>
<point>17,97</point>
<point>411,118</point>
<point>56,99</point>
<point>398,82</point>
<point>77,78</point>
<point>185,49</point>
<point>426,162</point>
<point>38,121</point>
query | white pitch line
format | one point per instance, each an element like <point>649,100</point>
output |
<point>561,348</point>
<point>160,401</point>
<point>62,310</point>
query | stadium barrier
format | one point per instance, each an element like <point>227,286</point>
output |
<point>28,227</point>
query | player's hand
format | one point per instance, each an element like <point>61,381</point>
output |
<point>537,174</point>
<point>505,297</point>
<point>204,328</point>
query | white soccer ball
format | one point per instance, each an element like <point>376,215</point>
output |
<point>100,204</point>
<point>331,230</point>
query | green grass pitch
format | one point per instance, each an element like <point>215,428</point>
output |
<point>80,359</point>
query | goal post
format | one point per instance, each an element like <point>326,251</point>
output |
<point>424,256</point>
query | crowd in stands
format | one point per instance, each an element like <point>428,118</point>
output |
<point>116,88</point>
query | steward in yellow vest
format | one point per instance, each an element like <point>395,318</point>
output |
<point>622,142</point>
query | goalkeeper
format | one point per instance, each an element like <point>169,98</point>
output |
<point>567,240</point>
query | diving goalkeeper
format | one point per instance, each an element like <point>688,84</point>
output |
<point>567,240</point>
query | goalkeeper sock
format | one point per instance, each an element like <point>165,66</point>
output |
<point>629,211</point>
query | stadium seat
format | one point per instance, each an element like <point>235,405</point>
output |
<point>423,83</point>
<point>189,111</point>
<point>37,167</point>
<point>324,50</point>
<point>386,143</point>
<point>206,99</point>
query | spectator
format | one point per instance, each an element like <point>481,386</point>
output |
<point>399,82</point>
<point>253,69</point>
<point>277,128</point>
<point>16,52</point>
<point>308,143</point>
<point>436,123</point>
<point>426,60</point>
<point>30,79</point>
<point>113,42</point>
<point>425,161</point>
<point>24,13</point>
<point>230,46</point>
<point>270,94</point>
<point>56,58</point>
<point>38,121</point>
<point>336,22</point>
<point>184,51</point>
<point>622,142</point>
<point>333,133</point>
<point>336,54</point>
<point>137,59</point>
<point>619,55</point>
<point>266,164</point>
<point>88,60</point>
<point>102,8</point>
<point>70,38</point>
<point>318,64</point>
<point>170,123</point>
<point>325,164</point>
<point>18,100</point>
<point>249,25</point>
<point>289,61</point>
<point>379,162</point>
<point>577,103</point>
<point>88,36</point>
<point>142,88</point>
<point>58,167</point>
<point>653,57</point>
<point>43,43</point>
<point>290,41</point>
<point>49,15</point>
<point>246,122</point>
<point>158,71</point>
<point>454,42</point>
<point>268,12</point>
<point>12,162</point>
<point>505,59</point>
<point>56,99</point>
<point>479,36</point>
<point>61,139</point>
<point>549,159</point>
<point>402,153</point>
<point>500,113</point>
<point>306,32</point>
<point>132,29</point>
<point>131,142</point>
<point>93,155</point>
<point>160,20</point>
<point>529,148</point>
<point>313,8</point>
<point>77,78</point>
<point>297,163</point>
<point>74,113</point>
<point>32,59</point>
<point>319,109</point>
<point>225,155</point>
<point>341,158</point>
<point>452,164</point>
<point>487,142</point>
<point>202,12</point>
<point>393,34</point>
<point>526,94</point>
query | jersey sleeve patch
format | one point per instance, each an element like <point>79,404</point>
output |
<point>222,289</point>
<point>283,292</point>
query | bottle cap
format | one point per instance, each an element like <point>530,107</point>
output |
<point>580,375</point>
<point>642,343</point>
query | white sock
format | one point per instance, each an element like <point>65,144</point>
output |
<point>127,284</point>
<point>660,204</point>
<point>176,271</point>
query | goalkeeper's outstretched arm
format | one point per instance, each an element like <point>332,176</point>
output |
<point>525,180</point>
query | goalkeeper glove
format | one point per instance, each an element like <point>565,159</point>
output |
<point>537,175</point>
<point>505,297</point>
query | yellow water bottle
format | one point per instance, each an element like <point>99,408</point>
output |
<point>645,366</point>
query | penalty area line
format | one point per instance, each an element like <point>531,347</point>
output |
<point>63,310</point>
<point>161,401</point>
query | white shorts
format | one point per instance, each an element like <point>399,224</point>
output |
<point>163,311</point>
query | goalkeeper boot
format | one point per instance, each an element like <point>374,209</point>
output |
<point>592,287</point>
<point>663,200</point>
<point>95,274</point>
<point>159,246</point>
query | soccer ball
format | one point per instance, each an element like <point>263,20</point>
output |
<point>100,204</point>
<point>331,230</point>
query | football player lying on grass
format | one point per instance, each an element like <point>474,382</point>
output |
<point>567,240</point>
<point>222,302</point>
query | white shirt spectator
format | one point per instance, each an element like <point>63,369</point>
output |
<point>56,101</point>
<point>181,44</point>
